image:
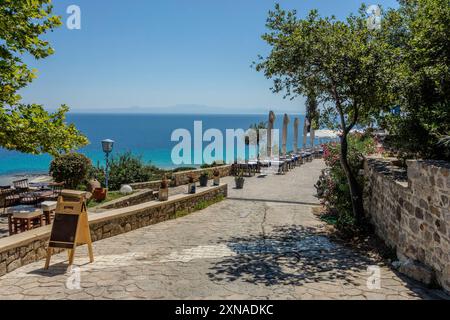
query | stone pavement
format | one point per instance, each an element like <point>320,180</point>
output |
<point>261,243</point>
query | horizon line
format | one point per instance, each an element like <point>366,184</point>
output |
<point>180,113</point>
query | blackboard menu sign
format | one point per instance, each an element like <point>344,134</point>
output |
<point>64,230</point>
<point>70,228</point>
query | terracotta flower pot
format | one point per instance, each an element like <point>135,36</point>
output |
<point>99,194</point>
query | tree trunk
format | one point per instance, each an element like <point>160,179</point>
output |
<point>355,188</point>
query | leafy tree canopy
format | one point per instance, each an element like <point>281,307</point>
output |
<point>339,61</point>
<point>29,128</point>
<point>417,38</point>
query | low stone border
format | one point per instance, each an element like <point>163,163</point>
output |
<point>126,201</point>
<point>182,177</point>
<point>22,249</point>
<point>152,185</point>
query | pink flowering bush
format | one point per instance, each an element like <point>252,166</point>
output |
<point>332,187</point>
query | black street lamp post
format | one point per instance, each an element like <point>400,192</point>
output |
<point>107,146</point>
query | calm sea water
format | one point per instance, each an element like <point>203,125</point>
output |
<point>146,135</point>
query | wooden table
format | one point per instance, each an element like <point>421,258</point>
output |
<point>24,218</point>
<point>48,208</point>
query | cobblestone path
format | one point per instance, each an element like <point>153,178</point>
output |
<point>261,243</point>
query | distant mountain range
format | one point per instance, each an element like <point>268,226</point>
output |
<point>186,109</point>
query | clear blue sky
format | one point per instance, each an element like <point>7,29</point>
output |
<point>158,53</point>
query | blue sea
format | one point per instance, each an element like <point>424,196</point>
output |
<point>146,135</point>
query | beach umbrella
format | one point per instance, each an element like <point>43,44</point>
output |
<point>296,122</point>
<point>269,133</point>
<point>284,137</point>
<point>326,135</point>
<point>305,132</point>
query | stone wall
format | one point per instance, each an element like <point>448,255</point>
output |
<point>182,177</point>
<point>152,185</point>
<point>130,200</point>
<point>21,249</point>
<point>410,212</point>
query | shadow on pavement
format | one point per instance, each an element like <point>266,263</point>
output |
<point>295,255</point>
<point>275,201</point>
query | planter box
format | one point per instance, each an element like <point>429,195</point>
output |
<point>203,181</point>
<point>239,183</point>
<point>192,188</point>
<point>163,194</point>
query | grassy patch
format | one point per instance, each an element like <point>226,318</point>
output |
<point>206,203</point>
<point>111,195</point>
<point>199,206</point>
<point>181,213</point>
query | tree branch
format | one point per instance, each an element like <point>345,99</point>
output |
<point>355,118</point>
<point>338,106</point>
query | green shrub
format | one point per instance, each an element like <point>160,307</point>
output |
<point>182,169</point>
<point>333,188</point>
<point>211,165</point>
<point>409,138</point>
<point>127,168</point>
<point>71,168</point>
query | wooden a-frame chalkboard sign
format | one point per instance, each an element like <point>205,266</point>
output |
<point>70,228</point>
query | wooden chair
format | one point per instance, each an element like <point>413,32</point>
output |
<point>29,198</point>
<point>3,194</point>
<point>21,185</point>
<point>10,198</point>
<point>57,188</point>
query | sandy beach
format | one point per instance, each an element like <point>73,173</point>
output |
<point>6,180</point>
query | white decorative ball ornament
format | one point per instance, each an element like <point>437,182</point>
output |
<point>126,189</point>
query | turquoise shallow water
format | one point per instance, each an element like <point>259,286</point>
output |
<point>143,134</point>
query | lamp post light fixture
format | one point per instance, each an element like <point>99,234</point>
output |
<point>107,146</point>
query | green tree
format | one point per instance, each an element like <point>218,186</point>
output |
<point>127,168</point>
<point>340,60</point>
<point>417,37</point>
<point>256,126</point>
<point>29,128</point>
<point>71,168</point>
<point>312,109</point>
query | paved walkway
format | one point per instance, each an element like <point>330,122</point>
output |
<point>262,243</point>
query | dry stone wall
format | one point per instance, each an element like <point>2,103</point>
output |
<point>411,214</point>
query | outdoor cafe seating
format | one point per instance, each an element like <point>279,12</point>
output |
<point>29,206</point>
<point>248,168</point>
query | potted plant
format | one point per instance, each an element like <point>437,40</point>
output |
<point>204,179</point>
<point>216,175</point>
<point>99,194</point>
<point>191,185</point>
<point>163,194</point>
<point>239,180</point>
